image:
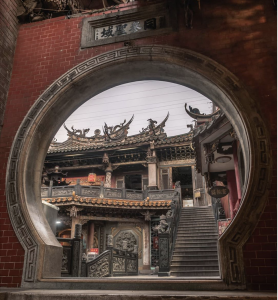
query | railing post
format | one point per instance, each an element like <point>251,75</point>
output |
<point>77,188</point>
<point>77,251</point>
<point>109,246</point>
<point>164,254</point>
<point>145,192</point>
<point>101,190</point>
<point>123,193</point>
<point>50,188</point>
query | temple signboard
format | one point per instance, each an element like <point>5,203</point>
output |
<point>128,25</point>
<point>92,177</point>
<point>218,191</point>
<point>128,28</point>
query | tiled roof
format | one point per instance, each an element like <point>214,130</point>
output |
<point>71,145</point>
<point>104,202</point>
<point>208,125</point>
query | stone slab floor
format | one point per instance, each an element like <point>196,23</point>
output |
<point>25,294</point>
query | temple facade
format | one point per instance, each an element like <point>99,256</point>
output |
<point>119,185</point>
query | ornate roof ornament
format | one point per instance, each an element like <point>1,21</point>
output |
<point>111,133</point>
<point>154,130</point>
<point>195,113</point>
<point>118,132</point>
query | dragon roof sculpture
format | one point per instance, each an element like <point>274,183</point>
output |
<point>112,136</point>
<point>195,113</point>
<point>115,133</point>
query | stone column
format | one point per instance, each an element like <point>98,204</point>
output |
<point>77,251</point>
<point>91,233</point>
<point>193,180</point>
<point>108,176</point>
<point>146,246</point>
<point>152,170</point>
<point>74,221</point>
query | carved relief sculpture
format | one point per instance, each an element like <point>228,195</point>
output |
<point>129,238</point>
<point>100,268</point>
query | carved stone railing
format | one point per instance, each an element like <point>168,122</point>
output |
<point>113,262</point>
<point>167,232</point>
<point>71,259</point>
<point>104,192</point>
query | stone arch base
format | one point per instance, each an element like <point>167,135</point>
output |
<point>42,251</point>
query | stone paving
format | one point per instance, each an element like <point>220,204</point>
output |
<point>25,294</point>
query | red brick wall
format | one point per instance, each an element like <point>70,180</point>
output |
<point>8,34</point>
<point>11,252</point>
<point>240,34</point>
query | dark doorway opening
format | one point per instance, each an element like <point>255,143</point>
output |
<point>133,182</point>
<point>184,175</point>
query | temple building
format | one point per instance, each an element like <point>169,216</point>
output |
<point>219,161</point>
<point>119,185</point>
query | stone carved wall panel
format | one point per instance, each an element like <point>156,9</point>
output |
<point>118,264</point>
<point>134,196</point>
<point>101,268</point>
<point>90,192</point>
<point>62,192</point>
<point>188,60</point>
<point>163,253</point>
<point>127,236</point>
<point>131,265</point>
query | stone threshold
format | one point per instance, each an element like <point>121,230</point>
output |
<point>138,283</point>
<point>40,294</point>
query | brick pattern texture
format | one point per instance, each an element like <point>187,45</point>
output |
<point>8,35</point>
<point>11,252</point>
<point>239,34</point>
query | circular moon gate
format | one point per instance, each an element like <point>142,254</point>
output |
<point>42,251</point>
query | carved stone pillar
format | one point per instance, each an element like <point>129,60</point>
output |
<point>152,170</point>
<point>108,176</point>
<point>73,211</point>
<point>91,233</point>
<point>77,251</point>
<point>164,254</point>
<point>74,221</point>
<point>146,246</point>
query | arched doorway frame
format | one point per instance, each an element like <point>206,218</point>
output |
<point>42,251</point>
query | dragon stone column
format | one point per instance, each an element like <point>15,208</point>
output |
<point>108,176</point>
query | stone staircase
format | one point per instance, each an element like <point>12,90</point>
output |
<point>195,253</point>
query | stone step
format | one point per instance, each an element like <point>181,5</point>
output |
<point>195,248</point>
<point>205,253</point>
<point>193,268</point>
<point>197,225</point>
<point>182,257</point>
<point>202,273</point>
<point>198,221</point>
<point>184,244</point>
<point>195,252</point>
<point>189,228</point>
<point>197,230</point>
<point>194,214</point>
<point>201,262</point>
<point>197,236</point>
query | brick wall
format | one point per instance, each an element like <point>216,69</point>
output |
<point>239,34</point>
<point>11,252</point>
<point>8,35</point>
